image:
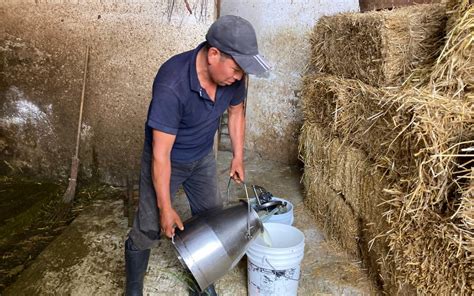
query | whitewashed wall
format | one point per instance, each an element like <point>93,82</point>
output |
<point>274,115</point>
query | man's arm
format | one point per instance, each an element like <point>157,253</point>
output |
<point>161,174</point>
<point>237,134</point>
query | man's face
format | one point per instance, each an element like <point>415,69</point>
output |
<point>222,68</point>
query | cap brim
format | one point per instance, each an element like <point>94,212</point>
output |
<point>252,64</point>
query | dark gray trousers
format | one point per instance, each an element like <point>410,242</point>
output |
<point>199,180</point>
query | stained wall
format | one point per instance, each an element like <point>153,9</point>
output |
<point>42,55</point>
<point>42,46</point>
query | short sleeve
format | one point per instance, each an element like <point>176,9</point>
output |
<point>239,94</point>
<point>165,110</point>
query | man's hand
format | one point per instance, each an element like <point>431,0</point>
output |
<point>237,171</point>
<point>161,164</point>
<point>169,219</point>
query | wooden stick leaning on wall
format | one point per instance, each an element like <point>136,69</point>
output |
<point>71,189</point>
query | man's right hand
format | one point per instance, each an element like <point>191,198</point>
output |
<point>161,163</point>
<point>169,219</point>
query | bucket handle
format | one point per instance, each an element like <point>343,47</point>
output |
<point>265,259</point>
<point>248,234</point>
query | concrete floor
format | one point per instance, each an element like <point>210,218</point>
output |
<point>87,259</point>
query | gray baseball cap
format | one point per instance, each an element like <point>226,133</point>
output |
<point>236,37</point>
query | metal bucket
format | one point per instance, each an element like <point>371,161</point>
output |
<point>212,243</point>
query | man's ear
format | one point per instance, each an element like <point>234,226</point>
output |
<point>213,54</point>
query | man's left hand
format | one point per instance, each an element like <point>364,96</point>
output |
<point>237,170</point>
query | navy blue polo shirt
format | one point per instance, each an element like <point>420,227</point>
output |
<point>181,107</point>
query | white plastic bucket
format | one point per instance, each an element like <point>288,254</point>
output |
<point>285,218</point>
<point>275,270</point>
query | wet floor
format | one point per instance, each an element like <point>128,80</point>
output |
<point>87,258</point>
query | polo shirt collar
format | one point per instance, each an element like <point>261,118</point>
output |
<point>193,78</point>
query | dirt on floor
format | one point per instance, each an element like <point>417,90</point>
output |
<point>31,218</point>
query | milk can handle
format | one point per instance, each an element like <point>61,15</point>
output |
<point>249,211</point>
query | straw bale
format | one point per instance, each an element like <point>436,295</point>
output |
<point>374,251</point>
<point>380,48</point>
<point>453,72</point>
<point>356,235</point>
<point>431,237</point>
<point>331,211</point>
<point>443,126</point>
<point>346,171</point>
<point>466,203</point>
<point>361,116</point>
<point>431,188</point>
<point>428,261</point>
<point>322,154</point>
<point>433,191</point>
<point>454,11</point>
<point>419,142</point>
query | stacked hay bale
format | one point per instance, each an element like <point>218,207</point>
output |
<point>378,48</point>
<point>386,143</point>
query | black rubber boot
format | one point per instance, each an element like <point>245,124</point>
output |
<point>209,291</point>
<point>136,263</point>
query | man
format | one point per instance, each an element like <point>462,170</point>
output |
<point>190,93</point>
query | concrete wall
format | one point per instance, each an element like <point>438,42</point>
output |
<point>42,46</point>
<point>273,112</point>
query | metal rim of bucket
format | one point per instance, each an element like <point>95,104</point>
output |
<point>183,257</point>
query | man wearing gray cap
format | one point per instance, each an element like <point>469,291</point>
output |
<point>190,93</point>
